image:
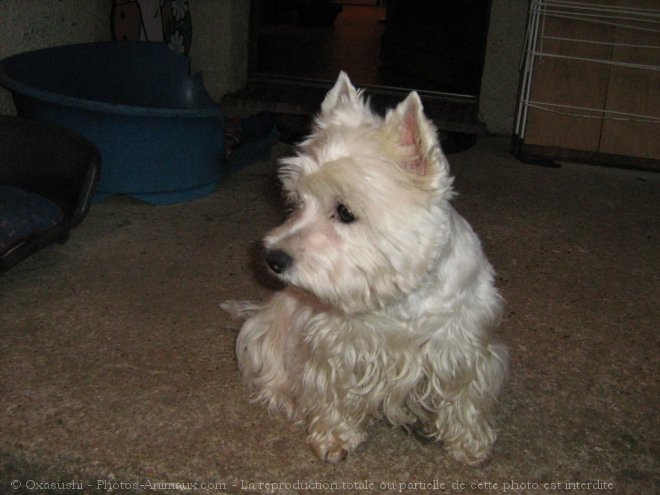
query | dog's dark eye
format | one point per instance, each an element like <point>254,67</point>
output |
<point>345,215</point>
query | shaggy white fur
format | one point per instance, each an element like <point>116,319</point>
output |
<point>390,300</point>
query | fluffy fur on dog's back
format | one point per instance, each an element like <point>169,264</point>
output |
<point>390,301</point>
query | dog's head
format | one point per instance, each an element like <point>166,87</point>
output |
<point>369,197</point>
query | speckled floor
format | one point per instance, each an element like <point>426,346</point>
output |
<point>117,365</point>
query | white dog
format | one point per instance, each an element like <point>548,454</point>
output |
<point>390,300</point>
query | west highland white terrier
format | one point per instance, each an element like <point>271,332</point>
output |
<point>390,301</point>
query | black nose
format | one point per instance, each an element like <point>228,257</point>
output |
<point>277,260</point>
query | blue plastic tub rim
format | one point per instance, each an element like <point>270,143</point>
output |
<point>193,84</point>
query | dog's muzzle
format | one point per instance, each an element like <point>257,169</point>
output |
<point>277,260</point>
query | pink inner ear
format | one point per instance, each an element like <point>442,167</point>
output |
<point>410,137</point>
<point>410,129</point>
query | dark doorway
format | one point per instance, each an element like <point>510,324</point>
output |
<point>390,47</point>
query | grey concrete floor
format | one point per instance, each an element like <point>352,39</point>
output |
<point>117,364</point>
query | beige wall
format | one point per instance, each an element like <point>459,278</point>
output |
<point>499,84</point>
<point>220,43</point>
<point>32,24</point>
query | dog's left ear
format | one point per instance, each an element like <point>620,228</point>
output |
<point>342,93</point>
<point>408,124</point>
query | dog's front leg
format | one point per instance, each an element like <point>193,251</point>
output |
<point>336,407</point>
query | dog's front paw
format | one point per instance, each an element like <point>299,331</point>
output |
<point>473,450</point>
<point>328,452</point>
<point>333,447</point>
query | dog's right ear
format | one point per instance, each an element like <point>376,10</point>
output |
<point>343,93</point>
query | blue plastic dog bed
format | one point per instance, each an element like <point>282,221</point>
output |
<point>160,135</point>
